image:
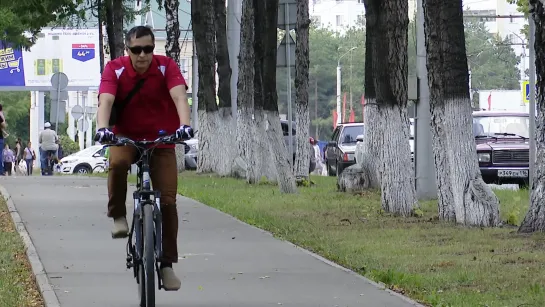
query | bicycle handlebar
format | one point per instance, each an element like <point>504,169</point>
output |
<point>163,140</point>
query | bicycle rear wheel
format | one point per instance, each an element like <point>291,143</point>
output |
<point>148,259</point>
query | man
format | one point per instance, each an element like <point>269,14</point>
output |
<point>48,140</point>
<point>159,104</point>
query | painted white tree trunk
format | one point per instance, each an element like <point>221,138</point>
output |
<point>463,195</point>
<point>278,149</point>
<point>397,183</point>
<point>473,201</point>
<point>445,199</point>
<point>373,141</point>
<point>180,157</point>
<point>209,147</point>
<point>302,150</point>
<point>535,217</point>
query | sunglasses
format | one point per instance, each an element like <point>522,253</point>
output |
<point>139,49</point>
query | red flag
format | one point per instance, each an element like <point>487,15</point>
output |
<point>490,101</point>
<point>335,115</point>
<point>362,107</point>
<point>352,117</point>
<point>344,108</point>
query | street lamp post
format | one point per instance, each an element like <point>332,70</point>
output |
<point>339,84</point>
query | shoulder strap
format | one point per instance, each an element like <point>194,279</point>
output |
<point>131,94</point>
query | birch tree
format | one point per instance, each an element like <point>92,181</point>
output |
<point>390,74</point>
<point>535,217</point>
<point>463,195</point>
<point>302,156</point>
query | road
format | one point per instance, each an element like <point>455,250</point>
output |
<point>223,262</point>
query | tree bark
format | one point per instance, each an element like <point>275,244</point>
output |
<point>463,195</point>
<point>274,136</point>
<point>172,29</point>
<point>118,15</point>
<point>372,136</point>
<point>245,87</point>
<point>302,156</point>
<point>535,217</point>
<point>226,120</point>
<point>204,35</point>
<point>390,71</point>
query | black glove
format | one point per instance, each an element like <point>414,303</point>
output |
<point>104,135</point>
<point>184,132</point>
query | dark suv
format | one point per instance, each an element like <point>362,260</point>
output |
<point>503,146</point>
<point>340,151</point>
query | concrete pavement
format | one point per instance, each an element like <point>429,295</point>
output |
<point>223,262</point>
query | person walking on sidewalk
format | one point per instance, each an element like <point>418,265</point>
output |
<point>9,157</point>
<point>151,93</point>
<point>30,156</point>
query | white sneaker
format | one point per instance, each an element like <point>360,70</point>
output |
<point>121,228</point>
<point>171,282</point>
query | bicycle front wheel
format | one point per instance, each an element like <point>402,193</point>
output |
<point>149,255</point>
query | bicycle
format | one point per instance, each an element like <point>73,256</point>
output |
<point>146,228</point>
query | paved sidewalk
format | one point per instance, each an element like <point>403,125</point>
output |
<point>224,262</point>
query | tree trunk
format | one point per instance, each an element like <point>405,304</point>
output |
<point>302,156</point>
<point>372,136</point>
<point>535,218</point>
<point>389,67</point>
<point>110,32</point>
<point>172,29</point>
<point>245,164</point>
<point>226,134</point>
<point>118,15</point>
<point>204,35</point>
<point>172,50</point>
<point>276,144</point>
<point>458,176</point>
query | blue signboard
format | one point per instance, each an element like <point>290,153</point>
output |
<point>12,72</point>
<point>83,52</point>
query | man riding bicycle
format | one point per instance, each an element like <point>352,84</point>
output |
<point>148,94</point>
<point>48,141</point>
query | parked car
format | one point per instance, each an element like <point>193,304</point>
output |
<point>503,148</point>
<point>83,161</point>
<point>191,153</point>
<point>340,151</point>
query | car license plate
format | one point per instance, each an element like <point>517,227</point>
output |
<point>513,173</point>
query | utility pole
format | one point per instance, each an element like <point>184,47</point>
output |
<point>426,186</point>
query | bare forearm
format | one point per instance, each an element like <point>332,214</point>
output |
<point>183,111</point>
<point>104,111</point>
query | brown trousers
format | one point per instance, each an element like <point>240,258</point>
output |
<point>164,177</point>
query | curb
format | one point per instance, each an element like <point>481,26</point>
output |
<point>44,285</point>
<point>318,257</point>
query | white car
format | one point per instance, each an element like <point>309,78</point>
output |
<point>88,160</point>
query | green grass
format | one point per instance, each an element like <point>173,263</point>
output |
<point>17,284</point>
<point>435,263</point>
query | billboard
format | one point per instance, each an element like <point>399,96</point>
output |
<point>72,51</point>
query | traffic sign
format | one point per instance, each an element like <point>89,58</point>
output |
<point>77,112</point>
<point>59,81</point>
<point>526,91</point>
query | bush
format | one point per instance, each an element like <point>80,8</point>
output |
<point>68,146</point>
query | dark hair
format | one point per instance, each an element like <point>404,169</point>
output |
<point>0,107</point>
<point>137,32</point>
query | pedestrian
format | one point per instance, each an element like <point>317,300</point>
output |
<point>18,155</point>
<point>9,157</point>
<point>30,156</point>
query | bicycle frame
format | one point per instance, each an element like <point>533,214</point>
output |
<point>145,196</point>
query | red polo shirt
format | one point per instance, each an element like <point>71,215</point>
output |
<point>151,109</point>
